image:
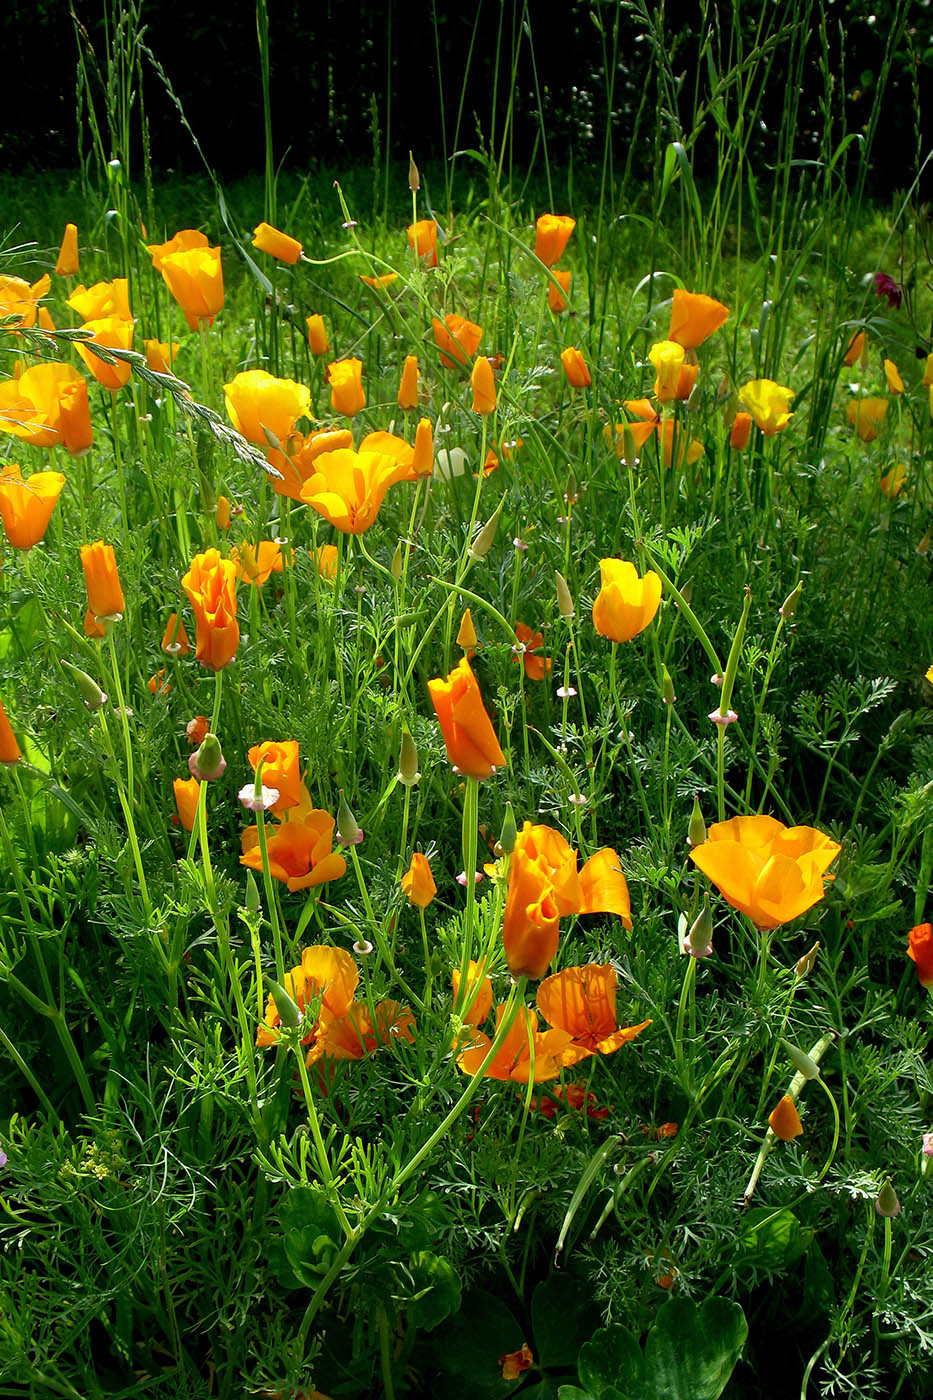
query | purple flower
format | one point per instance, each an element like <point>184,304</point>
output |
<point>886,286</point>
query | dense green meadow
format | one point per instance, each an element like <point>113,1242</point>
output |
<point>466,771</point>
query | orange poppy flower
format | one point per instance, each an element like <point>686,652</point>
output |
<point>694,318</point>
<point>93,628</point>
<point>175,640</point>
<point>296,461</point>
<point>557,297</point>
<point>348,487</point>
<point>513,1059</point>
<point>256,563</point>
<point>457,338</point>
<point>582,1000</point>
<point>325,975</point>
<point>866,416</point>
<point>325,558</point>
<point>784,1121</point>
<point>920,951</point>
<point>472,746</point>
<point>625,603</point>
<point>552,234</point>
<point>104,594</point>
<point>160,355</point>
<point>10,751</point>
<point>418,882</point>
<point>281,769</point>
<point>187,791</point>
<point>182,242</point>
<point>478,999</point>
<point>47,406</point>
<point>258,404</point>
<point>277,244</point>
<point>19,299</point>
<point>359,1032</point>
<point>300,851</point>
<point>422,239</point>
<point>345,378</point>
<point>768,403</point>
<point>408,388</point>
<point>102,300</point>
<point>195,278</point>
<point>26,506</point>
<point>67,264</point>
<point>855,348</point>
<point>422,462</point>
<point>380,283</point>
<point>768,871</point>
<point>111,333</point>
<point>210,584</point>
<point>317,335</point>
<point>536,667</point>
<point>741,431</point>
<point>575,368</point>
<point>483,383</point>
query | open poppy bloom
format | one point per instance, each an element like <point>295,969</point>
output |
<point>281,770</point>
<point>210,584</point>
<point>111,333</point>
<point>390,445</point>
<point>513,1059</point>
<point>256,563</point>
<point>536,667</point>
<point>67,263</point>
<point>195,278</point>
<point>345,378</point>
<point>545,886</point>
<point>675,378</point>
<point>457,337</point>
<point>771,872</point>
<point>358,1032</point>
<point>327,978</point>
<point>26,506</point>
<point>893,482</point>
<point>19,299</point>
<point>348,487</point>
<point>47,407</point>
<point>182,242</point>
<point>694,318</point>
<point>300,850</point>
<point>472,746</point>
<point>10,751</point>
<point>552,234</point>
<point>103,299</point>
<point>422,239</point>
<point>866,416</point>
<point>418,882</point>
<point>295,461</point>
<point>625,603</point>
<point>277,244</point>
<point>104,593</point>
<point>259,404</point>
<point>768,403</point>
<point>920,952</point>
<point>582,1000</point>
<point>187,791</point>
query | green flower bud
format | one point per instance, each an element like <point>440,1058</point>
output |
<point>696,831</point>
<point>289,1011</point>
<point>509,832</point>
<point>801,1061</point>
<point>90,691</point>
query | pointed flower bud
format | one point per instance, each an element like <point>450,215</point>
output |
<point>789,605</point>
<point>348,832</point>
<point>483,542</point>
<point>667,686</point>
<point>289,1011</point>
<point>253,903</point>
<point>208,761</point>
<point>807,963</point>
<point>414,179</point>
<point>886,1203</point>
<point>509,832</point>
<point>696,831</point>
<point>801,1061</point>
<point>90,691</point>
<point>564,597</point>
<point>408,773</point>
<point>466,637</point>
<point>699,941</point>
<point>395,568</point>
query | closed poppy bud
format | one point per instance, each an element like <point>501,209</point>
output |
<point>210,584</point>
<point>789,605</point>
<point>806,964</point>
<point>696,831</point>
<point>564,598</point>
<point>552,234</point>
<point>423,461</point>
<point>223,513</point>
<point>104,594</point>
<point>668,360</point>
<point>408,773</point>
<point>892,376</point>
<point>74,418</point>
<point>785,1120</point>
<point>886,1203</point>
<point>67,264</point>
<point>277,244</point>
<point>349,833</point>
<point>345,378</point>
<point>855,348</point>
<point>10,751</point>
<point>91,693</point>
<point>802,1062</point>
<point>317,335</point>
<point>408,388</point>
<point>509,833</point>
<point>866,416</point>
<point>26,506</point>
<point>484,540</point>
<point>422,239</point>
<point>414,178</point>
<point>741,431</point>
<point>111,333</point>
<point>466,637</point>
<point>187,792</point>
<point>920,952</point>
<point>418,882</point>
<point>160,355</point>
<point>484,387</point>
<point>575,368</point>
<point>557,296</point>
<point>625,603</point>
<point>471,742</point>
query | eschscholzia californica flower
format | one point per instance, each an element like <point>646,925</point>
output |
<point>483,383</point>
<point>478,996</point>
<point>771,872</point>
<point>422,239</point>
<point>182,242</point>
<point>102,300</point>
<point>317,335</point>
<point>768,403</point>
<point>408,388</point>
<point>472,746</point>
<point>866,416</point>
<point>19,299</point>
<point>325,558</point>
<point>67,264</point>
<point>104,594</point>
<point>380,283</point>
<point>855,348</point>
<point>74,418</point>
<point>575,368</point>
<point>111,333</point>
<point>348,487</point>
<point>893,378</point>
<point>536,667</point>
<point>557,296</point>
<point>31,407</point>
<point>625,603</point>
<point>222,513</point>
<point>210,584</point>
<point>259,403</point>
<point>582,1000</point>
<point>326,977</point>
<point>422,462</point>
<point>160,355</point>
<point>10,751</point>
<point>418,882</point>
<point>920,952</point>
<point>195,278</point>
<point>187,791</point>
<point>345,378</point>
<point>175,640</point>
<point>296,461</point>
<point>26,506</point>
<point>552,234</point>
<point>389,445</point>
<point>300,850</point>
<point>93,628</point>
<point>545,886</point>
<point>674,379</point>
<point>361,1031</point>
<point>514,1363</point>
<point>281,769</point>
<point>893,482</point>
<point>741,431</point>
<point>256,563</point>
<point>513,1060</point>
<point>457,338</point>
<point>277,244</point>
<point>784,1121</point>
<point>694,318</point>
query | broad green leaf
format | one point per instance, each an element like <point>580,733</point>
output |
<point>437,1288</point>
<point>612,1358</point>
<point>562,1316</point>
<point>691,1351</point>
